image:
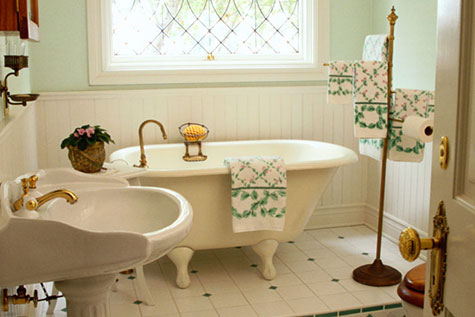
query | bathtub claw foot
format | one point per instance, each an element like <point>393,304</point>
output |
<point>181,257</point>
<point>266,250</point>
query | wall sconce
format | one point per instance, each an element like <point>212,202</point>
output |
<point>16,63</point>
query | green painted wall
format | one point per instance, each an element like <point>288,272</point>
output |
<point>59,60</point>
<point>350,22</point>
<point>415,44</point>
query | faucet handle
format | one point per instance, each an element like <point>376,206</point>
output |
<point>25,187</point>
<point>25,184</point>
<point>32,181</point>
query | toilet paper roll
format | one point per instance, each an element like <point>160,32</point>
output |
<point>418,128</point>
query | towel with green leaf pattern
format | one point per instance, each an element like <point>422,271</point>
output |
<point>340,83</point>
<point>370,99</point>
<point>259,189</point>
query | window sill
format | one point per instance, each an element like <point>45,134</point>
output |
<point>126,77</point>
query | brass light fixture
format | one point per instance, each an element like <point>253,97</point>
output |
<point>16,63</point>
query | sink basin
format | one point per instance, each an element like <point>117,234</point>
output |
<point>112,227</point>
<point>153,213</point>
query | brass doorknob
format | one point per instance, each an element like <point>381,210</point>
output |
<point>410,244</point>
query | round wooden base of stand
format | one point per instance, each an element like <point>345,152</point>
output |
<point>377,274</point>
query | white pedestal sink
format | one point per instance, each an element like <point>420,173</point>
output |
<point>81,247</point>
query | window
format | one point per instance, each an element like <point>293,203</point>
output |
<point>157,41</point>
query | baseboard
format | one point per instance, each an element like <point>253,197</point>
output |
<point>392,226</point>
<point>337,216</point>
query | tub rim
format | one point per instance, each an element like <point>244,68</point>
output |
<point>347,156</point>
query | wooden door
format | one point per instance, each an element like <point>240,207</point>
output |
<point>455,185</point>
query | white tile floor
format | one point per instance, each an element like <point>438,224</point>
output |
<point>313,278</point>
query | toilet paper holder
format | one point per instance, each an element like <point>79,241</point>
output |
<point>428,130</point>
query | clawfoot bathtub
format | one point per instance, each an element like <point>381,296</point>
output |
<point>207,186</point>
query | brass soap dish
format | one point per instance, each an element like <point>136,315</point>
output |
<point>193,133</point>
<point>23,98</point>
<point>16,63</point>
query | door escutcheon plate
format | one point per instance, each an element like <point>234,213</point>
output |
<point>438,263</point>
<point>410,245</point>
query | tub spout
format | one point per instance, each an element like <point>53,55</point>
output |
<point>143,159</point>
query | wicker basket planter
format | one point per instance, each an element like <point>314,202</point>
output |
<point>90,160</point>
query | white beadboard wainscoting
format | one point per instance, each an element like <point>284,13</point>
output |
<point>235,114</point>
<point>230,114</point>
<point>407,200</point>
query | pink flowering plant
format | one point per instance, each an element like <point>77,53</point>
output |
<point>85,136</point>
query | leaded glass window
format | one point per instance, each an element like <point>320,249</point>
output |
<point>190,29</point>
<point>206,41</point>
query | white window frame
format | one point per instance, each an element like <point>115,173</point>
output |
<point>102,71</point>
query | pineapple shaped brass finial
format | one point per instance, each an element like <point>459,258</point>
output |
<point>392,17</point>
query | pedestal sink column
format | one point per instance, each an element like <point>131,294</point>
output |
<point>87,297</point>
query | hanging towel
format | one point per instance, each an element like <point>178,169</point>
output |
<point>376,48</point>
<point>259,189</point>
<point>408,102</point>
<point>412,102</point>
<point>400,147</point>
<point>340,83</point>
<point>372,148</point>
<point>430,107</point>
<point>370,99</point>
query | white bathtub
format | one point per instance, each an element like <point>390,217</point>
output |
<point>207,186</point>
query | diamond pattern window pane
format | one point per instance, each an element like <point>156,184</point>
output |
<point>199,27</point>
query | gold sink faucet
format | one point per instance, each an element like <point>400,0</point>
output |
<point>143,159</point>
<point>30,183</point>
<point>60,193</point>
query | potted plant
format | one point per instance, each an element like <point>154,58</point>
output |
<point>86,148</point>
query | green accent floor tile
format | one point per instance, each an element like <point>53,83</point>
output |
<point>207,294</point>
<point>64,309</point>
<point>341,237</point>
<point>291,242</point>
<point>311,259</point>
<point>373,308</point>
<point>334,314</point>
<point>365,253</point>
<point>253,265</point>
<point>273,287</point>
<point>391,306</point>
<point>349,312</point>
<point>335,280</point>
<point>131,277</point>
<point>138,302</point>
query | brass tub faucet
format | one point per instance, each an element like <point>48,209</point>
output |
<point>143,159</point>
<point>33,204</point>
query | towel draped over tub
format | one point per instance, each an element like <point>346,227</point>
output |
<point>259,189</point>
